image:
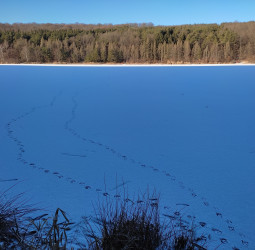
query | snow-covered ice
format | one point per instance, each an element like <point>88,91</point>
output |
<point>69,135</point>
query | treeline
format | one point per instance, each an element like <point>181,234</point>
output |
<point>127,43</point>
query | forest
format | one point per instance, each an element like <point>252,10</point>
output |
<point>127,43</point>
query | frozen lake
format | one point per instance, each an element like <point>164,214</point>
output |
<point>71,134</point>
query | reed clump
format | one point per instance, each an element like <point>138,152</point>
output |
<point>116,224</point>
<point>19,229</point>
<point>136,224</point>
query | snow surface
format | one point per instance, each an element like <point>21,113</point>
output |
<point>69,135</point>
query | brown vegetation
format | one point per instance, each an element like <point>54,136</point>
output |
<point>116,224</point>
<point>127,43</point>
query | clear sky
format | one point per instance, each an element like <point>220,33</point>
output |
<point>159,12</point>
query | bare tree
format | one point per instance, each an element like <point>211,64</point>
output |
<point>3,48</point>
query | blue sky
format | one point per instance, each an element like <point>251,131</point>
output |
<point>165,12</point>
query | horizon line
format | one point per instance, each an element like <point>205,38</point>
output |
<point>127,23</point>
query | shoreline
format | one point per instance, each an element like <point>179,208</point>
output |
<point>125,65</point>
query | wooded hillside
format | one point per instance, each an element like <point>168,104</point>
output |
<point>127,43</point>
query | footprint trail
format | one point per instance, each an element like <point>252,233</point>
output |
<point>169,175</point>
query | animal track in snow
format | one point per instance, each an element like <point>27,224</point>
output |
<point>22,150</point>
<point>126,158</point>
<point>21,145</point>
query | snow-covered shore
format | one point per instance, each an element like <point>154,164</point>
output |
<point>130,65</point>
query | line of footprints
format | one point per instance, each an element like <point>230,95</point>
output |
<point>177,214</point>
